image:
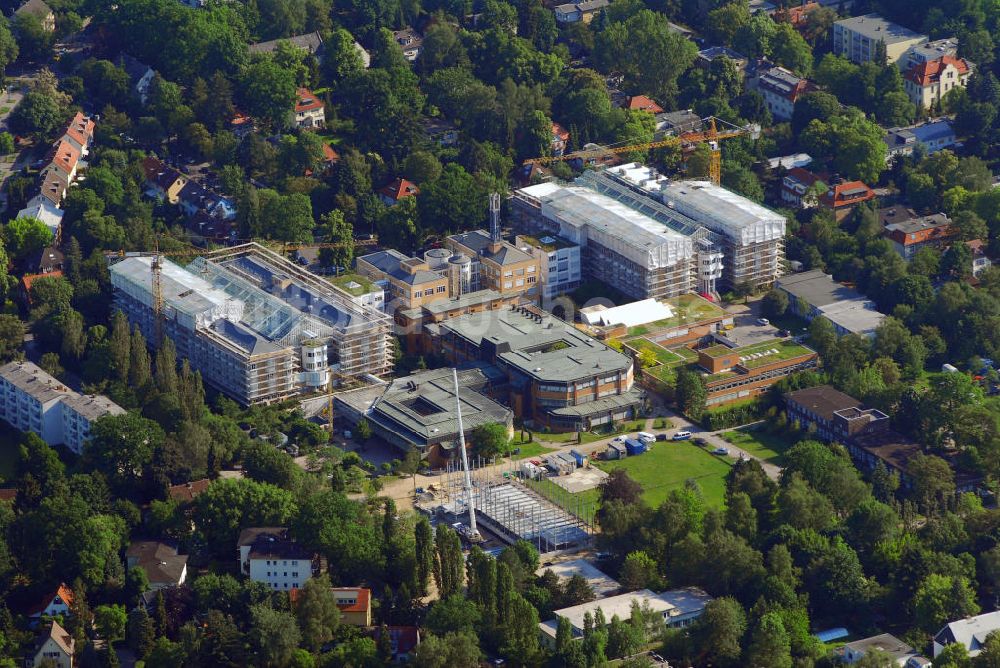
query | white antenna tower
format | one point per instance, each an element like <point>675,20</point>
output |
<point>495,217</point>
<point>473,530</point>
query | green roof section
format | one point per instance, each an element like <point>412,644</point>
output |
<point>688,310</point>
<point>353,284</point>
<point>548,243</point>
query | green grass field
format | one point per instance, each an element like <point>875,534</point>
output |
<point>530,449</point>
<point>769,447</point>
<point>668,465</point>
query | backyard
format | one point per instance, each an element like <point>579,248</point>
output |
<point>667,465</point>
<point>761,444</point>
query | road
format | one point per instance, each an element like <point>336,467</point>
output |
<point>401,490</point>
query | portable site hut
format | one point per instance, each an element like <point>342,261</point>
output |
<point>581,459</point>
<point>634,447</point>
<point>616,451</point>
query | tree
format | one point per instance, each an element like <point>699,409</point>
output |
<point>690,394</point>
<point>26,235</point>
<point>940,599</point>
<point>268,92</point>
<point>11,335</point>
<point>454,613</point>
<point>139,631</point>
<point>775,303</point>
<point>770,646</point>
<point>619,486</point>
<point>229,505</point>
<point>424,552</point>
<point>317,612</point>
<point>933,482</point>
<point>341,58</point>
<point>450,563</point>
<point>719,631</point>
<point>8,47</point>
<point>338,231</point>
<point>791,50</point>
<point>453,650</point>
<point>275,636</point>
<point>491,440</point>
<point>639,572</point>
<point>38,113</point>
<point>454,201</point>
<point>855,143</point>
<point>122,446</point>
<point>110,621</point>
<point>421,167</point>
<point>34,40</point>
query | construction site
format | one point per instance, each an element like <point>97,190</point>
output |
<point>506,510</point>
<point>258,327</point>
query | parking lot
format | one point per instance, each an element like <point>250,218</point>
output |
<point>748,330</point>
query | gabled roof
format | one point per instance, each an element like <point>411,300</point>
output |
<point>803,176</point>
<point>63,155</point>
<point>399,189</point>
<point>362,598</point>
<point>53,185</point>
<point>970,632</point>
<point>643,103</point>
<point>160,561</point>
<point>135,69</point>
<point>847,193</point>
<point>80,130</point>
<point>61,638</point>
<point>62,591</point>
<point>560,132</point>
<point>929,72</point>
<point>311,42</point>
<point>306,101</point>
<point>186,492</point>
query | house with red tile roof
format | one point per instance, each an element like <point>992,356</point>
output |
<point>781,89</point>
<point>397,190</point>
<point>927,82</point>
<point>560,139</point>
<point>54,602</point>
<point>402,639</point>
<point>911,233</point>
<point>65,157</point>
<point>842,197</point>
<point>355,605</point>
<point>80,132</point>
<point>28,279</point>
<point>643,103</point>
<point>186,492</point>
<point>8,494</point>
<point>797,16</point>
<point>309,110</point>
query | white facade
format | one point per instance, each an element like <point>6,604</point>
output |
<point>32,400</point>
<point>559,265</point>
<point>280,574</point>
<point>857,38</point>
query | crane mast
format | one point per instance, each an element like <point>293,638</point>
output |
<point>473,529</point>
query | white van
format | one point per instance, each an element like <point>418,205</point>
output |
<point>646,437</point>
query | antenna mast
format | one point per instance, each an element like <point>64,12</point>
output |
<point>473,530</point>
<point>495,217</point>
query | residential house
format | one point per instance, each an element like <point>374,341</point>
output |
<point>241,125</point>
<point>310,113</point>
<point>797,188</point>
<point>441,131</point>
<point>27,280</point>
<point>8,494</point>
<point>187,491</point>
<point>928,82</point>
<point>163,182</point>
<point>80,133</point>
<point>707,56</point>
<point>355,605</point>
<point>410,41</point>
<point>843,197</point>
<point>65,157</point>
<point>497,264</point>
<point>909,236</point>
<point>402,639</point>
<point>921,53</point>
<point>310,42</point>
<point>54,602</point>
<point>54,649</point>
<point>677,123</point>
<point>643,103</point>
<point>790,161</point>
<point>812,294</point>
<point>577,12</point>
<point>45,210</point>
<point>678,607</point>
<point>980,260</point>
<point>164,567</point>
<point>933,136</point>
<point>898,652</point>
<point>781,89</point>
<point>46,261</point>
<point>970,632</point>
<point>271,556</point>
<point>391,194</point>
<point>797,16</point>
<point>857,38</point>
<point>140,74</point>
<point>194,198</point>
<point>560,139</point>
<point>39,10</point>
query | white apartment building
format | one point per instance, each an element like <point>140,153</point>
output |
<point>268,555</point>
<point>32,400</point>
<point>558,263</point>
<point>856,38</point>
<point>781,89</point>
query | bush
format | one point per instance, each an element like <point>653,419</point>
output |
<point>733,416</point>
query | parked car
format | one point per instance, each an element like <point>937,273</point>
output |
<point>763,321</point>
<point>681,436</point>
<point>720,451</point>
<point>700,441</point>
<point>661,437</point>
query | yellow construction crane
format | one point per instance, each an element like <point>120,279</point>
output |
<point>712,134</point>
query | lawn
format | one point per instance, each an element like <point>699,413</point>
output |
<point>759,443</point>
<point>530,449</point>
<point>687,309</point>
<point>668,465</point>
<point>353,284</point>
<point>565,438</point>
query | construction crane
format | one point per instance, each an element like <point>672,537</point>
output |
<point>713,135</point>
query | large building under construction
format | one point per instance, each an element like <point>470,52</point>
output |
<point>649,236</point>
<point>258,327</point>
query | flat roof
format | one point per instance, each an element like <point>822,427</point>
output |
<point>856,316</point>
<point>600,582</point>
<point>672,603</point>
<point>538,344</point>
<point>884,642</point>
<point>877,28</point>
<point>92,406</point>
<point>823,400</point>
<point>817,288</point>
<point>717,208</point>
<point>34,381</point>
